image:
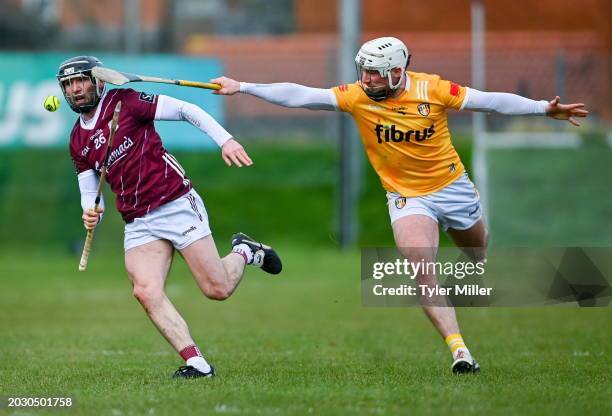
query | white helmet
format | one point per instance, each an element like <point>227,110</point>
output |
<point>382,55</point>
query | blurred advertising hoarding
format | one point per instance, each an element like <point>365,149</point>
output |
<point>27,78</point>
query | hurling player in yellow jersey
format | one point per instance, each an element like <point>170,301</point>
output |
<point>401,117</point>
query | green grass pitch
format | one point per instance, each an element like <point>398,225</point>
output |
<point>300,343</point>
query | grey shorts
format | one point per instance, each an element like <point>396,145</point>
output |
<point>182,222</point>
<point>455,206</point>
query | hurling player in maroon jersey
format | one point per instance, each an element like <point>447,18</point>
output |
<point>162,211</point>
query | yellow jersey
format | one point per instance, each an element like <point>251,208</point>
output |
<point>407,138</point>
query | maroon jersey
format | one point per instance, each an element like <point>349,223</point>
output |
<point>141,172</point>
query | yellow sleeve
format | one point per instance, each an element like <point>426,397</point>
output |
<point>450,94</point>
<point>346,96</point>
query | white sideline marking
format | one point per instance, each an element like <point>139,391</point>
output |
<point>609,139</point>
<point>532,140</point>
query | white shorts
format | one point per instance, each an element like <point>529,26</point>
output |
<point>455,206</point>
<point>182,222</point>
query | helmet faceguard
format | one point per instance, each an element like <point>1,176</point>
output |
<point>80,67</point>
<point>382,55</point>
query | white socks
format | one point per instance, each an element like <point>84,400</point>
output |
<point>253,258</point>
<point>199,363</point>
<point>463,353</point>
<point>245,251</point>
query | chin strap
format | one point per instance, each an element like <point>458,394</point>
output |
<point>379,96</point>
<point>396,86</point>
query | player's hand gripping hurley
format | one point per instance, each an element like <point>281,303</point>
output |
<point>90,233</point>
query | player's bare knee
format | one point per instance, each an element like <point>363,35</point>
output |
<point>419,254</point>
<point>147,294</point>
<point>216,291</point>
<point>213,285</point>
<point>479,254</point>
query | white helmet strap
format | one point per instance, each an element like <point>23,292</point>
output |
<point>399,82</point>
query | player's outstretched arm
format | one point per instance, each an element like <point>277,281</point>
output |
<point>285,94</point>
<point>169,108</point>
<point>567,112</point>
<point>512,104</point>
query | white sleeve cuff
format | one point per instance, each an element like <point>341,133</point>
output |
<point>88,186</point>
<point>244,87</point>
<point>465,99</point>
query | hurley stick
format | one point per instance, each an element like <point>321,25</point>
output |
<point>90,233</point>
